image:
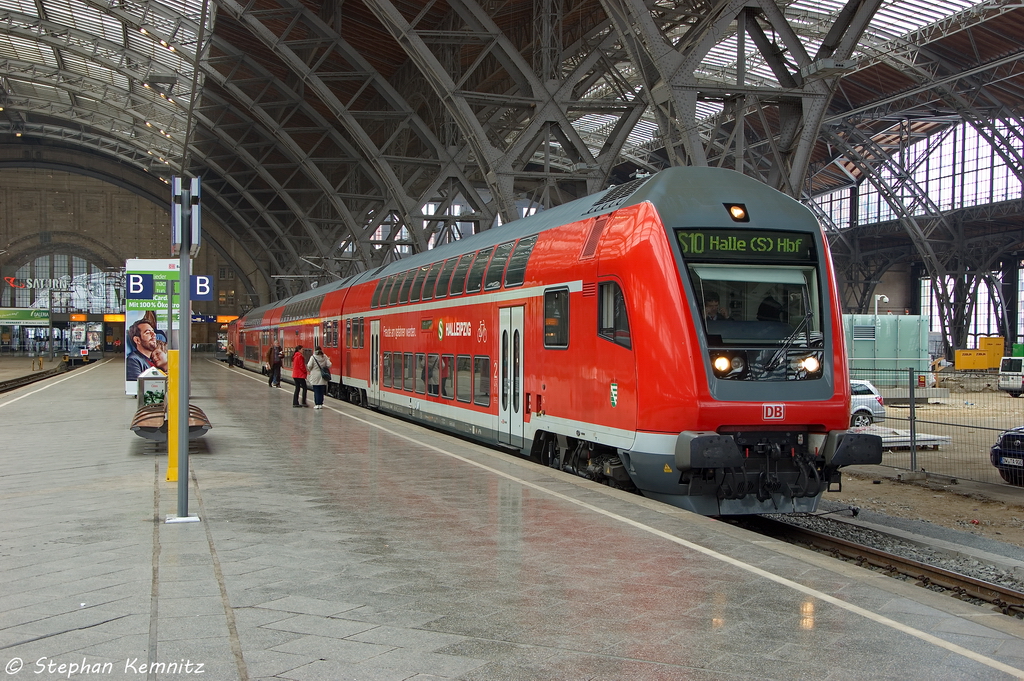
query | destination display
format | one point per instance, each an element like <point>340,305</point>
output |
<point>747,244</point>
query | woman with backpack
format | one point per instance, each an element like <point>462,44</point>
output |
<point>319,367</point>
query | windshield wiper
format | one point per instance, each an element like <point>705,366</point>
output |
<point>788,341</point>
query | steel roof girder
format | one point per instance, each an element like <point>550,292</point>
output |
<point>113,56</point>
<point>552,104</point>
<point>327,96</point>
<point>487,155</point>
<point>918,235</point>
<point>296,64</point>
<point>238,59</point>
<point>294,150</point>
<point>87,88</point>
<point>245,157</point>
<point>125,151</point>
<point>269,80</point>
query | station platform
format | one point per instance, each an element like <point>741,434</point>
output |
<point>17,367</point>
<point>341,544</point>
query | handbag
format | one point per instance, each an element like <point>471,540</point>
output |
<point>325,373</point>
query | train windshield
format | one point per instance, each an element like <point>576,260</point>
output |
<point>765,320</point>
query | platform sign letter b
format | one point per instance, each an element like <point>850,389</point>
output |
<point>773,412</point>
<point>140,286</point>
<point>202,287</point>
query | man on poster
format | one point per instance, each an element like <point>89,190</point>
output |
<point>146,353</point>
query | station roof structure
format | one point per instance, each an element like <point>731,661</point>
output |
<point>332,137</point>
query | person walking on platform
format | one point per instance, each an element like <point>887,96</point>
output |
<point>299,374</point>
<point>274,358</point>
<point>319,366</point>
<point>231,354</point>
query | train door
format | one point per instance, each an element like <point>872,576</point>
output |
<point>374,391</point>
<point>510,374</point>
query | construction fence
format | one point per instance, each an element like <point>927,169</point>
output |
<point>943,423</point>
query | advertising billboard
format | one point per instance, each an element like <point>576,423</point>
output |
<point>149,316</point>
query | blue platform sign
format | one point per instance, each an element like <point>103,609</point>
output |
<point>139,286</point>
<point>202,287</point>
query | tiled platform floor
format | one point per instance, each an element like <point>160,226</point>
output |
<point>340,544</point>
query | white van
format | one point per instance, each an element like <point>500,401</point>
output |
<point>1011,375</point>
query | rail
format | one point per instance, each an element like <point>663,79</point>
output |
<point>1009,601</point>
<point>15,383</point>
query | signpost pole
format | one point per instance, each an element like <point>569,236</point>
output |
<point>184,201</point>
<point>184,354</point>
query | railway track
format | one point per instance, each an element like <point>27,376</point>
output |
<point>15,383</point>
<point>1007,600</point>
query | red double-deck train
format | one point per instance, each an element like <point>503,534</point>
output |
<point>679,334</point>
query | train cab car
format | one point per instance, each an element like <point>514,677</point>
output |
<point>679,335</point>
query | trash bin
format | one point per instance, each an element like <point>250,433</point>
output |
<point>152,388</point>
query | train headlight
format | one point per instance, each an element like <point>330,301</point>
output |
<point>738,212</point>
<point>807,367</point>
<point>726,365</point>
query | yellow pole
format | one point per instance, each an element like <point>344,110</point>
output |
<point>172,415</point>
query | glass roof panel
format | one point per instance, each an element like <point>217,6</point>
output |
<point>15,47</point>
<point>23,6</point>
<point>39,91</point>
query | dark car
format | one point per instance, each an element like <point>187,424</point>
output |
<point>1007,456</point>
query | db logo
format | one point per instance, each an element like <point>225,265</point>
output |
<point>773,412</point>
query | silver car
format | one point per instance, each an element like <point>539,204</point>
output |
<point>866,404</point>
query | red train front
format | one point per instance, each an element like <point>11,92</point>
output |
<point>680,334</point>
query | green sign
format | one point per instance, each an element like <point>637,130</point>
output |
<point>11,316</point>
<point>749,245</point>
<point>163,272</point>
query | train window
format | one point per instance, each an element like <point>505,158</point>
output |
<point>459,278</point>
<point>428,283</point>
<point>464,378</point>
<point>362,332</point>
<point>482,381</point>
<point>516,355</point>
<point>497,267</point>
<point>433,374</point>
<point>376,293</point>
<point>504,370</point>
<point>348,333</point>
<point>556,318</point>
<point>476,275</point>
<point>446,373</point>
<point>516,272</point>
<point>407,373</point>
<point>417,284</point>
<point>421,373</point>
<point>388,287</point>
<point>396,288</point>
<point>446,275</point>
<point>386,369</point>
<point>403,297</point>
<point>612,322</point>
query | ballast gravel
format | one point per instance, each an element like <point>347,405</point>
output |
<point>969,566</point>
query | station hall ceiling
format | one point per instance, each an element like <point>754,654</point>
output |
<point>332,137</point>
